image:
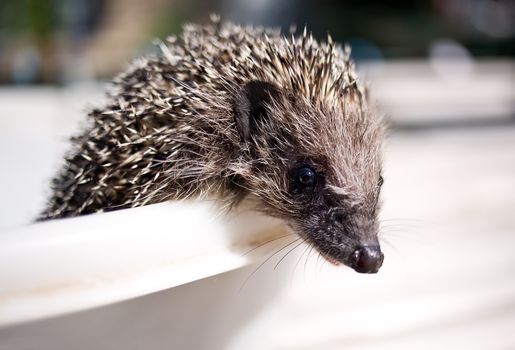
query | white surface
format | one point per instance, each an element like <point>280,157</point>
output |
<point>202,315</point>
<point>63,266</point>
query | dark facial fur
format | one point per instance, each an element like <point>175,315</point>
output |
<point>238,113</point>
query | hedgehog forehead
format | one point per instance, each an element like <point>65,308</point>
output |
<point>343,132</point>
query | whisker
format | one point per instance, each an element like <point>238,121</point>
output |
<point>266,260</point>
<point>306,261</point>
<point>403,219</point>
<point>398,225</point>
<point>300,258</point>
<point>389,244</point>
<point>321,264</point>
<point>265,243</point>
<point>394,231</point>
<point>285,255</point>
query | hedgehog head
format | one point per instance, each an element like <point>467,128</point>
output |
<point>316,165</point>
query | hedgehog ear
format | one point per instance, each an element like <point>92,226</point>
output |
<point>251,106</point>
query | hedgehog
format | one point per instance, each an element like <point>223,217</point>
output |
<point>239,113</point>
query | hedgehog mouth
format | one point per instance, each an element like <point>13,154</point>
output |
<point>335,256</point>
<point>330,259</point>
<point>361,258</point>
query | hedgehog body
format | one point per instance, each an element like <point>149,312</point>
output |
<point>238,112</point>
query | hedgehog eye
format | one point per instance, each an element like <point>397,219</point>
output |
<point>306,177</point>
<point>380,181</point>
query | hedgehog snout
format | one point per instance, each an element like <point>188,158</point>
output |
<point>367,259</point>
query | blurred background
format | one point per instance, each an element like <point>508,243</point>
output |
<point>443,72</point>
<point>62,41</point>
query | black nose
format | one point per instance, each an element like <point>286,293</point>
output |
<point>367,259</point>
